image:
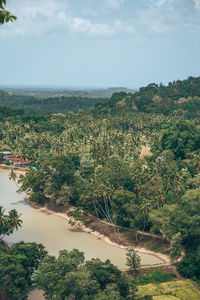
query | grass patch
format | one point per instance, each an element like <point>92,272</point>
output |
<point>181,289</point>
<point>157,276</point>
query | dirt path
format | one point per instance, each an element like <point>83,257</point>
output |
<point>35,294</point>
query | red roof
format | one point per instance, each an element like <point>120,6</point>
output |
<point>18,160</point>
<point>26,161</point>
<point>14,159</point>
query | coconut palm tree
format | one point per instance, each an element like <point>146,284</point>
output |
<point>145,207</point>
<point>10,222</point>
<point>14,220</point>
<point>12,176</point>
<point>2,218</point>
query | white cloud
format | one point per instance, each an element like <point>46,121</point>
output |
<point>197,4</point>
<point>114,3</point>
<point>153,21</point>
<point>44,17</point>
<point>152,17</point>
<point>34,17</point>
<point>164,16</point>
<point>162,3</point>
<point>93,17</point>
<point>90,12</point>
<point>79,25</point>
<point>121,26</point>
<point>33,8</point>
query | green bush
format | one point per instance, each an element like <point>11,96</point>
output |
<point>189,266</point>
<point>157,276</point>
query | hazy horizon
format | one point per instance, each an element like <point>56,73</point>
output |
<point>9,86</point>
<point>100,43</point>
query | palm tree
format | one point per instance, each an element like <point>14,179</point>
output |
<point>2,217</point>
<point>10,222</point>
<point>14,220</point>
<point>145,207</point>
<point>12,176</point>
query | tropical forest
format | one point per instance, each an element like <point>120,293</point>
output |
<point>100,191</point>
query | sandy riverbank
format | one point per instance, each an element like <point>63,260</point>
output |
<point>164,258</point>
<point>5,168</point>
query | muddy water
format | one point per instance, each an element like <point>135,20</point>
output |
<point>55,233</point>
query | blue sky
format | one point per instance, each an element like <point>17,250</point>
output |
<point>100,43</point>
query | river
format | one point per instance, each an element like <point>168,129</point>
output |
<point>55,233</point>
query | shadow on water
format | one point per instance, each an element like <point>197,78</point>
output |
<point>21,202</point>
<point>75,230</point>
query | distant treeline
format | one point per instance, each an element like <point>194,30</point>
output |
<point>178,97</point>
<point>47,101</point>
<point>33,104</point>
<point>46,92</point>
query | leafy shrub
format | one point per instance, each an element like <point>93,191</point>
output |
<point>189,266</point>
<point>157,276</point>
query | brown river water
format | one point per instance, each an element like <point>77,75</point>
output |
<point>55,233</point>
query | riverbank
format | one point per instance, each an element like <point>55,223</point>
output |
<point>99,235</point>
<point>144,244</point>
<point>17,170</point>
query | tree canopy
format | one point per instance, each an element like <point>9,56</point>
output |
<point>70,276</point>
<point>5,15</point>
<point>17,265</point>
<point>129,164</point>
<point>182,138</point>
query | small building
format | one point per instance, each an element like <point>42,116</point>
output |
<point>24,163</point>
<point>6,154</point>
<point>19,162</point>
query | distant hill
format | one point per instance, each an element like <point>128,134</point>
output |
<point>182,96</point>
<point>53,100</point>
<point>34,104</point>
<point>99,93</point>
<point>60,92</point>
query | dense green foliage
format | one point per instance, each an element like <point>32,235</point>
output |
<point>175,245</point>
<point>9,222</point>
<point>189,266</point>
<point>181,97</point>
<point>67,276</point>
<point>70,277</point>
<point>17,265</point>
<point>13,277</point>
<point>123,162</point>
<point>182,137</point>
